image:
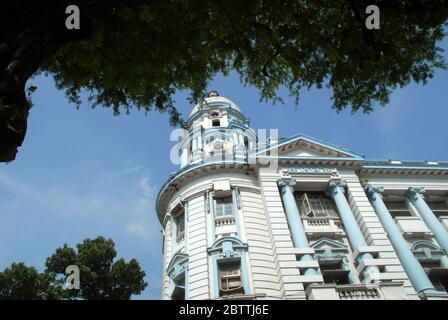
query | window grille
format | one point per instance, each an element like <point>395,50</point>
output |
<point>316,205</point>
<point>230,278</point>
<point>223,207</point>
<point>398,209</point>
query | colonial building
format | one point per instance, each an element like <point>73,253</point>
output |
<point>297,218</point>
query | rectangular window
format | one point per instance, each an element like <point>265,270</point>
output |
<point>437,274</point>
<point>180,227</point>
<point>230,278</point>
<point>439,208</point>
<point>317,205</point>
<point>398,209</point>
<point>223,207</point>
<point>333,271</point>
<point>179,288</point>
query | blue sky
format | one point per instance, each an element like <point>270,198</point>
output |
<point>83,173</point>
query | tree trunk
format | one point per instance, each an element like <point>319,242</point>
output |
<point>31,33</point>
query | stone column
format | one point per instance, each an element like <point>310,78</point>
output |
<point>200,141</point>
<point>184,157</point>
<point>294,219</point>
<point>414,270</point>
<point>336,189</point>
<point>193,141</point>
<point>415,196</point>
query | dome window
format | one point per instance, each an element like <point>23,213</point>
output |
<point>215,114</point>
<point>216,123</point>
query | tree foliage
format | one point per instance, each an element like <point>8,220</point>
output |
<point>20,282</point>
<point>100,276</point>
<point>131,53</point>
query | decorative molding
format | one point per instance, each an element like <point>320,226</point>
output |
<point>336,186</point>
<point>177,265</point>
<point>413,193</point>
<point>331,248</point>
<point>425,250</point>
<point>286,183</point>
<point>373,192</point>
<point>227,247</point>
<point>237,197</point>
<point>312,170</point>
<point>207,201</point>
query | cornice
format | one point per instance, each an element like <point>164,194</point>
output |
<point>177,179</point>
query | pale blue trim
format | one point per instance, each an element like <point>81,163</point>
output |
<point>186,226</point>
<point>305,158</point>
<point>187,283</point>
<point>295,224</point>
<point>336,250</point>
<point>236,244</point>
<point>412,267</point>
<point>245,274</point>
<point>236,211</point>
<point>440,233</point>
<point>336,190</point>
<point>404,166</point>
<point>336,245</point>
<point>211,202</point>
<point>215,276</point>
<point>190,168</point>
<point>325,144</point>
<point>229,248</point>
<point>179,264</point>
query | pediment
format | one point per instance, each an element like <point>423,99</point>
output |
<point>301,146</point>
<point>177,260</point>
<point>324,244</point>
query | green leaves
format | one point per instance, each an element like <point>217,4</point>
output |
<point>150,51</point>
<point>138,54</point>
<point>19,282</point>
<point>100,277</point>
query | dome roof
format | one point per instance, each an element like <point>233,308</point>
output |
<point>215,98</point>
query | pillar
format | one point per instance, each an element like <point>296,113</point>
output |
<point>336,189</point>
<point>184,157</point>
<point>199,146</point>
<point>415,196</point>
<point>294,219</point>
<point>412,267</point>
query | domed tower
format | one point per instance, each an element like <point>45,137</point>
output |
<point>217,131</point>
<point>200,206</point>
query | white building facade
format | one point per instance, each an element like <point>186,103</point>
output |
<point>297,218</point>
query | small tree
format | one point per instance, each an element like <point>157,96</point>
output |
<point>101,277</point>
<point>20,282</point>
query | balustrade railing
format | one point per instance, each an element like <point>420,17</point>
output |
<point>360,292</point>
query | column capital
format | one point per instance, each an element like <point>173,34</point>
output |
<point>413,193</point>
<point>335,186</point>
<point>286,182</point>
<point>373,192</point>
